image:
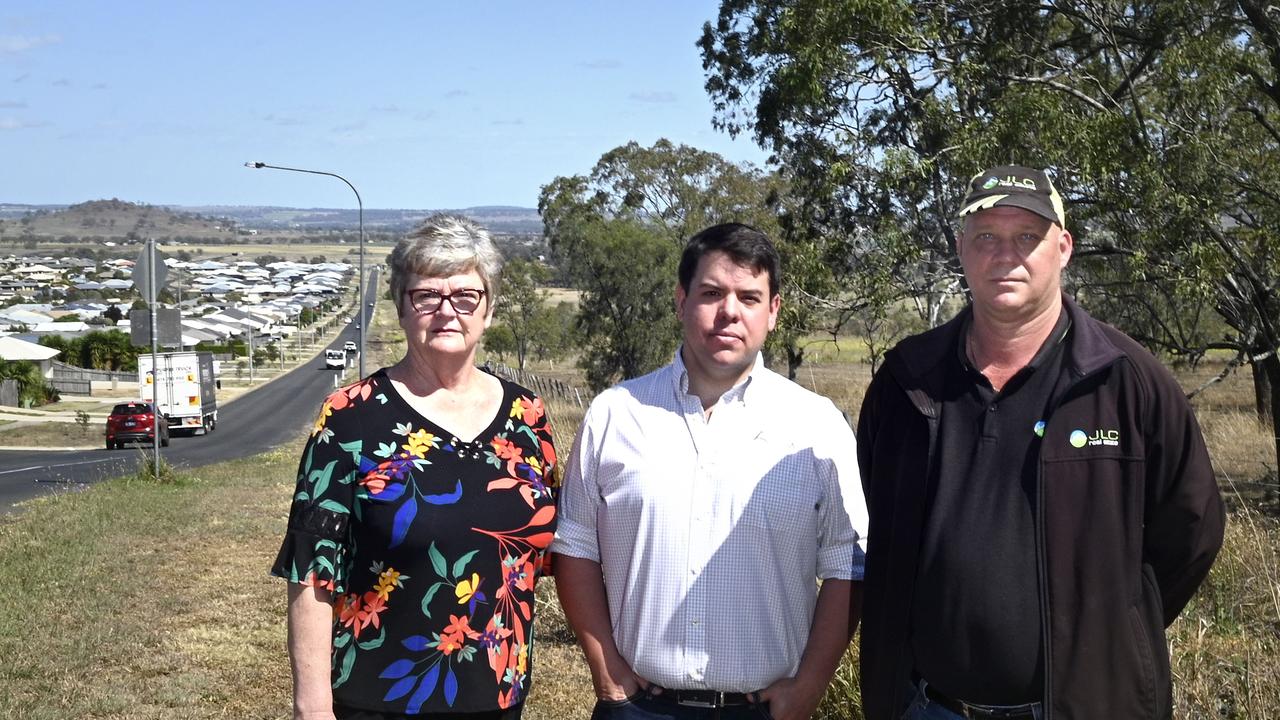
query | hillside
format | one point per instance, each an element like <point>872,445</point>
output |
<point>121,221</point>
<point>113,220</point>
<point>498,218</point>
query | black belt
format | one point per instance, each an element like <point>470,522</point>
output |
<point>964,709</point>
<point>699,698</point>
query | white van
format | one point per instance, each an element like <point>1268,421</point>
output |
<point>335,359</point>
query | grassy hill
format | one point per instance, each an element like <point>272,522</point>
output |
<point>50,228</point>
<point>113,220</point>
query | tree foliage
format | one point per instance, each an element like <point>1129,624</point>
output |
<point>659,197</point>
<point>32,388</point>
<point>1160,120</point>
<point>521,304</point>
<point>97,350</point>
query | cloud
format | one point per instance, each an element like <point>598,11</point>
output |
<point>22,77</point>
<point>98,86</point>
<point>62,82</point>
<point>349,127</point>
<point>456,94</point>
<point>654,97</point>
<point>12,104</point>
<point>424,115</point>
<point>388,109</point>
<point>601,64</point>
<point>13,44</point>
<point>16,124</point>
<point>513,121</point>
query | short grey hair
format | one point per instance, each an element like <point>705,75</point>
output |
<point>441,246</point>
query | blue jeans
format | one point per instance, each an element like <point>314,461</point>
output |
<point>642,706</point>
<point>922,708</point>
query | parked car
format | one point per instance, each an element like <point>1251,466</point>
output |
<point>350,346</point>
<point>135,421</point>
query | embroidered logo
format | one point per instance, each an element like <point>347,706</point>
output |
<point>1109,438</point>
<point>1039,428</point>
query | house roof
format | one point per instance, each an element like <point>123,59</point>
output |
<point>11,348</point>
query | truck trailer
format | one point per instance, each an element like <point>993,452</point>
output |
<point>183,387</point>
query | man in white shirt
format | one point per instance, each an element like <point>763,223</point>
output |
<point>701,504</point>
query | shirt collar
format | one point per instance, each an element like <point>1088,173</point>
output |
<point>1059,333</point>
<point>739,392</point>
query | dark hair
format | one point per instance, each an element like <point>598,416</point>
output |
<point>743,244</point>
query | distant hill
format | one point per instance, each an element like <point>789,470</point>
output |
<point>118,220</point>
<point>498,218</point>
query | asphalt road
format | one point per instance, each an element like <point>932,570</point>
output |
<point>256,421</point>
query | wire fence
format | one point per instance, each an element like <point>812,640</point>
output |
<point>546,387</point>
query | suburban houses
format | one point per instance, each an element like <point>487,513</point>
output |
<point>219,300</point>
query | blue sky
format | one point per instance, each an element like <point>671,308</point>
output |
<point>420,105</point>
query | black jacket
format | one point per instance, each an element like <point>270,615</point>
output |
<point>1129,519</point>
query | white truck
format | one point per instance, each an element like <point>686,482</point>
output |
<point>184,387</point>
<point>335,359</point>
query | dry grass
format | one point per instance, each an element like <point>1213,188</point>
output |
<point>134,600</point>
<point>52,434</point>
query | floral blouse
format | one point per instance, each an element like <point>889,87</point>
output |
<point>430,545</point>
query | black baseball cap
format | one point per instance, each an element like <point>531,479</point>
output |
<point>1015,186</point>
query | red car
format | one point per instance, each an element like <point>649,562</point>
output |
<point>135,421</point>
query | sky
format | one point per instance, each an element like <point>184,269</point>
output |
<point>418,104</point>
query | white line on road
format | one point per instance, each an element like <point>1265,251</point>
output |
<point>50,467</point>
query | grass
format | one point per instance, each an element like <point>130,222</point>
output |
<point>141,600</point>
<point>52,434</point>
<point>137,600</point>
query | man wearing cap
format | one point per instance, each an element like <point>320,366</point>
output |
<point>1041,500</point>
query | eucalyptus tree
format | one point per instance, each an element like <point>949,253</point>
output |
<point>1161,120</point>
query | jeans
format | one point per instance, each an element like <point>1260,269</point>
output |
<point>643,706</point>
<point>922,708</point>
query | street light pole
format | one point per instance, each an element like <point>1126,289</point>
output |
<point>361,320</point>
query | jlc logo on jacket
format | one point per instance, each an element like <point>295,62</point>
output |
<point>1129,520</point>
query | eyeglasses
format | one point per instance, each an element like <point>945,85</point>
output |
<point>464,302</point>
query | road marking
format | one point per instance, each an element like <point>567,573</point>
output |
<point>61,465</point>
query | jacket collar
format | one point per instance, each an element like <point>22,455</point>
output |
<point>915,361</point>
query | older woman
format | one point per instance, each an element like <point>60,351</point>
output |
<point>422,512</point>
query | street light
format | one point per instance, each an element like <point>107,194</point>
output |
<point>360,319</point>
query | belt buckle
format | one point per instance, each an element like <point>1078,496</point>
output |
<point>717,702</point>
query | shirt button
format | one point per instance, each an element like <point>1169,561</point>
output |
<point>991,408</point>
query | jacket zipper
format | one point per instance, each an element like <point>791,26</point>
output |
<point>1042,552</point>
<point>1042,560</point>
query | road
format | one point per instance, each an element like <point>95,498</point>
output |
<point>253,423</point>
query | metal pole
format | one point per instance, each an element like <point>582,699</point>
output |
<point>250,354</point>
<point>155,376</point>
<point>364,320</point>
<point>360,316</point>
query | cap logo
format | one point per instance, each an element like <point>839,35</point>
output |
<point>1010,181</point>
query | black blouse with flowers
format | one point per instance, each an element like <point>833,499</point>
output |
<point>430,545</point>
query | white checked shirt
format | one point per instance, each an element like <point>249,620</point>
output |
<point>711,532</point>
